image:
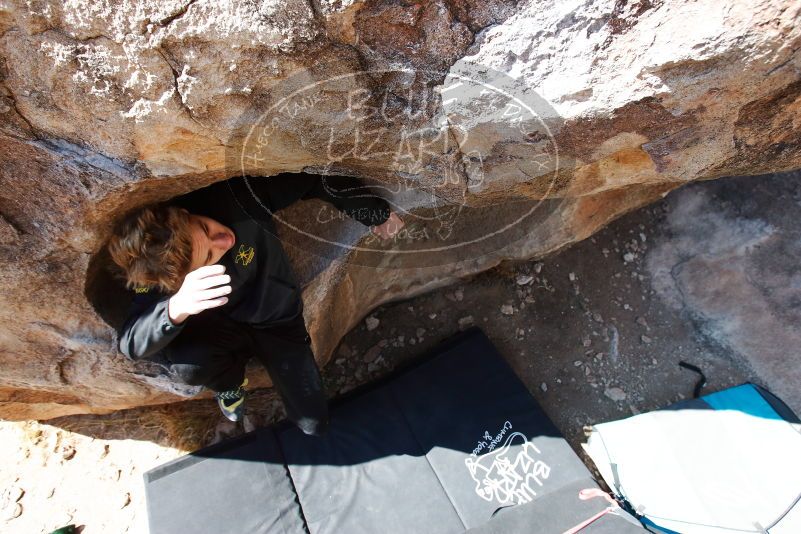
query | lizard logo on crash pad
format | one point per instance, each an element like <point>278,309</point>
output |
<point>512,473</point>
<point>245,255</point>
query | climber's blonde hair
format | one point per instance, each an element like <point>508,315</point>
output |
<point>153,247</point>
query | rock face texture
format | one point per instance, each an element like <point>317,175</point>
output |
<point>498,130</point>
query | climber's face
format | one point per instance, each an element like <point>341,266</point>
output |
<point>210,241</point>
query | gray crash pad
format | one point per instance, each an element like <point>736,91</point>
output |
<point>455,443</point>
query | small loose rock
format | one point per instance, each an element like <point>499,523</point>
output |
<point>616,394</point>
<point>372,322</point>
<point>464,322</point>
<point>524,279</point>
<point>372,353</point>
<point>68,453</point>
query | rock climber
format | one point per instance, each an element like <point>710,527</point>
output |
<point>212,286</point>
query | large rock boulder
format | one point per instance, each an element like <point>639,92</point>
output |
<point>499,130</point>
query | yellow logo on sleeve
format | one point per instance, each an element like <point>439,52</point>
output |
<point>143,289</point>
<point>245,254</point>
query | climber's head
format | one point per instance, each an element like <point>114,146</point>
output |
<point>157,246</point>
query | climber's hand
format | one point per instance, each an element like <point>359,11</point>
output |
<point>388,228</point>
<point>202,289</point>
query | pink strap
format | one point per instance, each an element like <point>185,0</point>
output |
<point>592,493</point>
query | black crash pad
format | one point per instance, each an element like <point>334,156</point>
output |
<point>240,485</point>
<point>455,443</point>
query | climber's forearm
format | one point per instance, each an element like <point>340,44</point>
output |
<point>146,333</point>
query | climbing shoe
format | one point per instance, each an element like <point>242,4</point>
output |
<point>232,402</point>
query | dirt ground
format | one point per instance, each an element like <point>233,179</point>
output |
<point>710,276</point>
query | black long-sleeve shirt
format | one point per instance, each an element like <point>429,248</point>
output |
<point>264,291</point>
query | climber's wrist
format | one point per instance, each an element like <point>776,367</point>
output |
<point>174,311</point>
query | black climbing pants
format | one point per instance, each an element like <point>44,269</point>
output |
<point>213,350</point>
